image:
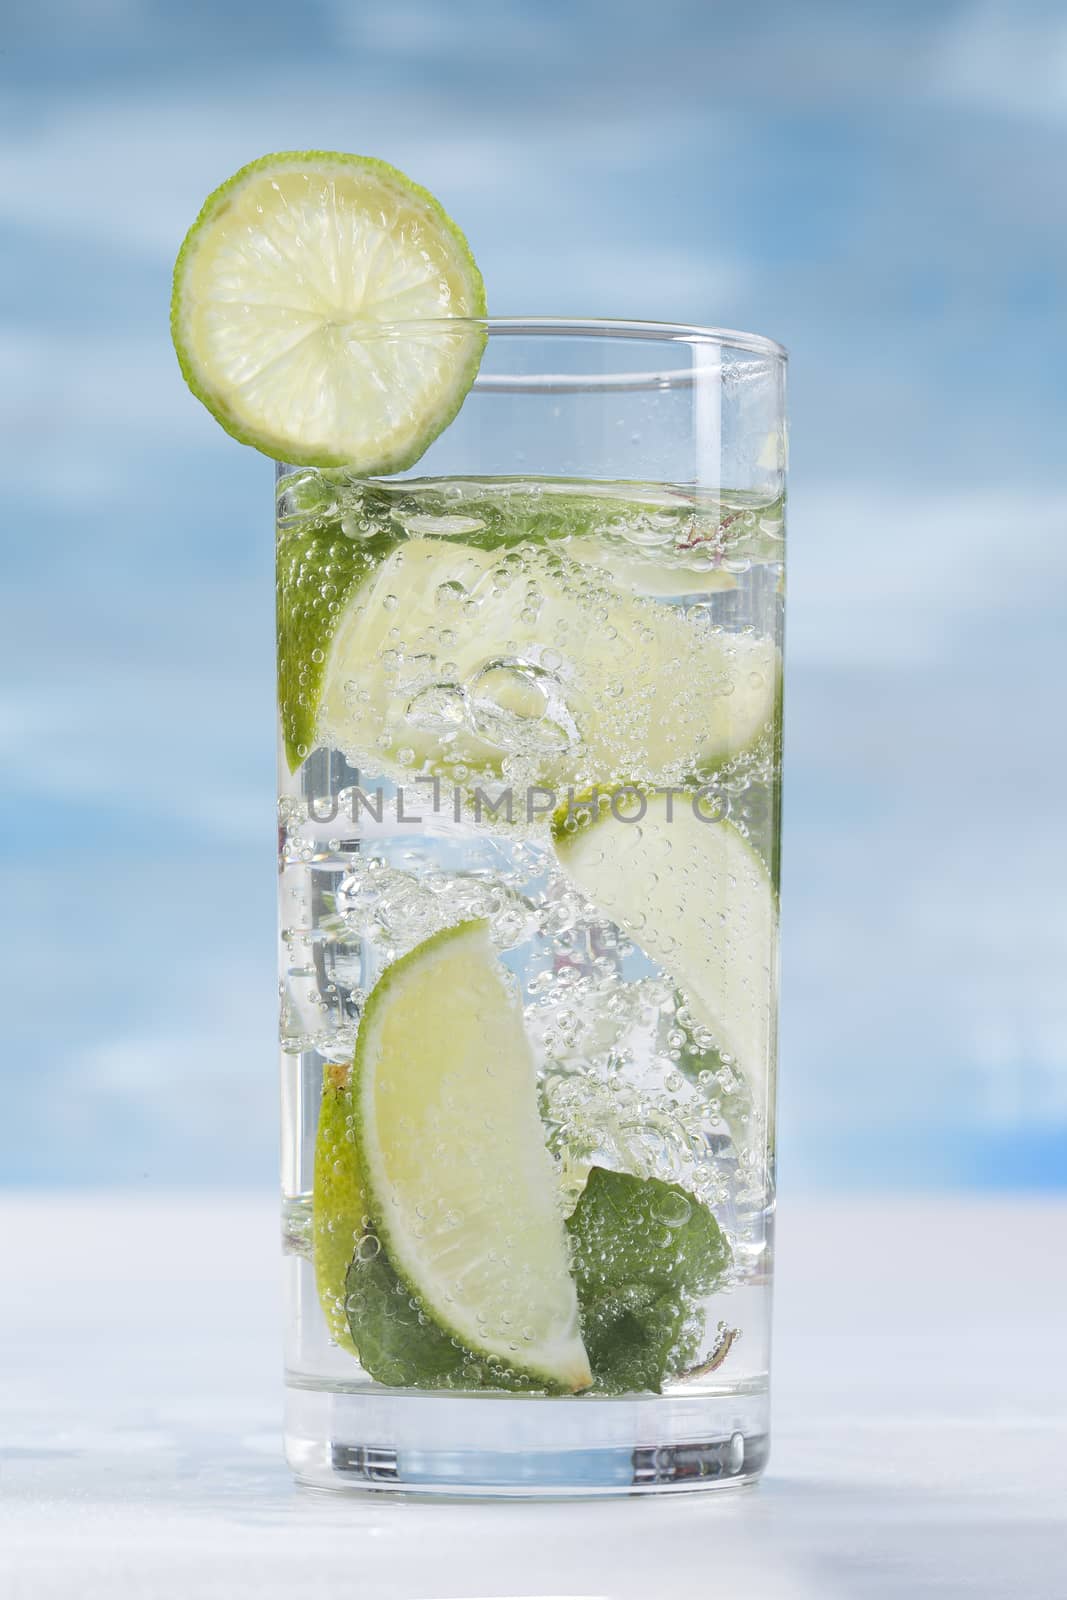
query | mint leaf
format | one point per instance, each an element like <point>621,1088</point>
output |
<point>628,1230</point>
<point>400,1346</point>
<point>643,1252</point>
<point>394,1346</point>
<point>629,1337</point>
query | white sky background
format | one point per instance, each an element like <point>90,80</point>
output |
<point>883,194</point>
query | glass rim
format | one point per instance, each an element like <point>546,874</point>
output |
<point>690,333</point>
<point>722,346</point>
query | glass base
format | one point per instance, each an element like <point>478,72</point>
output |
<point>524,1448</point>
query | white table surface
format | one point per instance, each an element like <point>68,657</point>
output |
<point>920,1442</point>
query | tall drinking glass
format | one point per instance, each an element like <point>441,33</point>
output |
<point>529,708</point>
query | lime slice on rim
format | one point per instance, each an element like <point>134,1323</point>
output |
<point>451,1153</point>
<point>699,901</point>
<point>287,292</point>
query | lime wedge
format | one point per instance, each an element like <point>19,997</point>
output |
<point>340,1204</point>
<point>455,654</point>
<point>286,294</point>
<point>369,1312</point>
<point>699,901</point>
<point>451,1152</point>
<point>318,570</point>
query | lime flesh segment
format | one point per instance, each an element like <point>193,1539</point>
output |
<point>643,576</point>
<point>451,1151</point>
<point>287,292</point>
<point>699,901</point>
<point>455,654</point>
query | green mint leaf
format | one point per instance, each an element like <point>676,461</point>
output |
<point>630,1336</point>
<point>400,1346</point>
<point>643,1252</point>
<point>397,1344</point>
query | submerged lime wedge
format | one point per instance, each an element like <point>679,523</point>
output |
<point>339,1201</point>
<point>698,900</point>
<point>451,653</point>
<point>451,1153</point>
<point>287,295</point>
<point>319,570</point>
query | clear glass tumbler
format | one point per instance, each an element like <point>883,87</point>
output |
<point>530,714</point>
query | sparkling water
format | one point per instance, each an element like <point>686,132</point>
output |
<point>460,661</point>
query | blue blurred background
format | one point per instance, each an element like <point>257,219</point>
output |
<point>879,186</point>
